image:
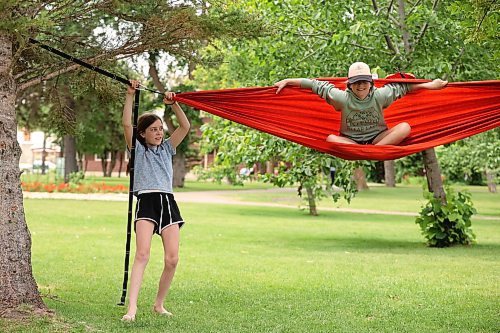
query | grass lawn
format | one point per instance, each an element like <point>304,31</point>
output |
<point>254,269</point>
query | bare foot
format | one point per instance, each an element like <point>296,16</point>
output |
<point>161,311</point>
<point>128,318</point>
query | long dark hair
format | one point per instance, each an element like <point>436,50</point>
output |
<point>144,121</point>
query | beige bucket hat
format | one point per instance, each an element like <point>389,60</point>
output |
<point>359,71</point>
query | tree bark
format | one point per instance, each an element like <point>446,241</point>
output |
<point>70,164</point>
<point>79,162</point>
<point>44,153</point>
<point>17,284</point>
<point>122,155</point>
<point>179,166</point>
<point>389,173</point>
<point>490,179</point>
<point>433,175</point>
<point>112,163</point>
<point>403,28</point>
<point>312,203</point>
<point>104,163</point>
<point>270,167</point>
<point>360,180</point>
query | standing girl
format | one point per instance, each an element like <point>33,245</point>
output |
<point>156,210</point>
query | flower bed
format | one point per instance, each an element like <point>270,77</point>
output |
<point>73,188</point>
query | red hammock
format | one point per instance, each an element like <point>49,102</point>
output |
<point>436,117</point>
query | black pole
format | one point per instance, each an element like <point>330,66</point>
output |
<point>130,197</point>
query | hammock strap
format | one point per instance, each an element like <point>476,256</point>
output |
<point>87,65</point>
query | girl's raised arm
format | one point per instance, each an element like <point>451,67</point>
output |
<point>127,112</point>
<point>183,129</point>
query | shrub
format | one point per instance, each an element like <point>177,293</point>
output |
<point>450,224</point>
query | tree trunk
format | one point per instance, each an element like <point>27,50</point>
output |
<point>112,163</point>
<point>490,179</point>
<point>79,162</point>
<point>389,173</point>
<point>179,165</point>
<point>360,180</point>
<point>104,163</point>
<point>70,164</point>
<point>17,284</point>
<point>44,153</point>
<point>121,164</point>
<point>312,203</point>
<point>270,167</point>
<point>433,174</point>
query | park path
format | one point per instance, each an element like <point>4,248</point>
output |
<point>226,197</point>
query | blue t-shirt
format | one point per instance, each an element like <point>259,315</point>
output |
<point>153,167</point>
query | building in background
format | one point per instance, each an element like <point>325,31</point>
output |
<point>37,147</point>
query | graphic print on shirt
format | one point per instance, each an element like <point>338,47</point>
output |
<point>362,120</point>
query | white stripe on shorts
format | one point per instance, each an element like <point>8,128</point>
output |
<point>161,204</point>
<point>169,212</point>
<point>137,209</point>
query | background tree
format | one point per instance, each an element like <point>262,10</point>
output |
<point>34,114</point>
<point>94,32</point>
<point>474,161</point>
<point>184,150</point>
<point>98,128</point>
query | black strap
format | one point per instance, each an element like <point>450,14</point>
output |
<point>87,65</point>
<point>132,148</point>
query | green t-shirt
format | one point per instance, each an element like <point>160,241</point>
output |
<point>361,120</point>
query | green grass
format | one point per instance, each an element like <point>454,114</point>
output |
<point>403,198</point>
<point>254,269</point>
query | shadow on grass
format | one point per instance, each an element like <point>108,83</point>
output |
<point>344,243</point>
<point>386,245</point>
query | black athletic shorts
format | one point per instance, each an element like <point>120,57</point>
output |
<point>367,142</point>
<point>159,208</point>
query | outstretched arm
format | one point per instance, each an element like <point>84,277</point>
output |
<point>127,112</point>
<point>287,82</point>
<point>433,85</point>
<point>324,89</point>
<point>183,129</point>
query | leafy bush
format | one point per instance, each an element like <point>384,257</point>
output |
<point>457,164</point>
<point>408,167</point>
<point>470,159</point>
<point>450,224</point>
<point>75,178</point>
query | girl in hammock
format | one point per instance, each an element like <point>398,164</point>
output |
<point>362,105</point>
<point>156,210</point>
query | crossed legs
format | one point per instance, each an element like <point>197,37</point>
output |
<point>392,136</point>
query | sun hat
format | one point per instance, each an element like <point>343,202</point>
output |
<point>359,71</point>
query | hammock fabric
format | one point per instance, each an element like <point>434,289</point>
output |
<point>436,117</point>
